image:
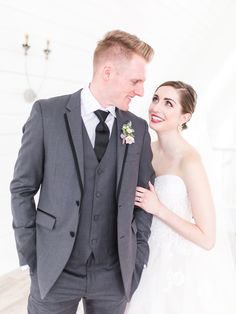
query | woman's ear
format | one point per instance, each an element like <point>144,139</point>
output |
<point>186,117</point>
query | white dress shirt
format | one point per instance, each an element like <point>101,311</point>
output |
<point>89,104</point>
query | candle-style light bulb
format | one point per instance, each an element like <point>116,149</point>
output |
<point>26,45</point>
<point>47,50</point>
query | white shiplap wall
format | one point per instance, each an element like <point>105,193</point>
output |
<point>193,40</point>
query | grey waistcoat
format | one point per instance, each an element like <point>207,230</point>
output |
<point>97,230</point>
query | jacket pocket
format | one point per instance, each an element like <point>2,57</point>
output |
<point>45,220</point>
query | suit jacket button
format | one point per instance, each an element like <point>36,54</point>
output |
<point>72,234</point>
<point>98,194</point>
<point>77,202</point>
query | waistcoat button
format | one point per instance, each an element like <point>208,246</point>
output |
<point>96,217</point>
<point>99,171</point>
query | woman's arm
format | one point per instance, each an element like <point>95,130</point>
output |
<point>202,232</point>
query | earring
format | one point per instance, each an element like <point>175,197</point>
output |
<point>180,127</point>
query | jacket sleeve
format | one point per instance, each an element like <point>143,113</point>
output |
<point>143,220</point>
<point>28,174</point>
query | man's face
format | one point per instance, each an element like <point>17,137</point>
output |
<point>126,81</point>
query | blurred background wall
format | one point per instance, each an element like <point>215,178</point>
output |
<point>194,42</point>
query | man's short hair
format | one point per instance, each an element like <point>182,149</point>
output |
<point>121,44</point>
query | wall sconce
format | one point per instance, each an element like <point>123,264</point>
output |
<point>29,94</point>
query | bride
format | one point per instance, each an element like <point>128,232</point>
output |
<point>186,273</point>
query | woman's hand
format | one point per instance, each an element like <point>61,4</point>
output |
<point>147,199</point>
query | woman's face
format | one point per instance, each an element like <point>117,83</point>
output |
<point>165,111</point>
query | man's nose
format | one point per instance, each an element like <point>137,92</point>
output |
<point>139,90</point>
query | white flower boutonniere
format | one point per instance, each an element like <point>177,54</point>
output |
<point>127,134</point>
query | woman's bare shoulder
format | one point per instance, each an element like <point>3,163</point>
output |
<point>191,160</point>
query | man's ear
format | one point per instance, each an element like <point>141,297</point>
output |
<point>107,72</point>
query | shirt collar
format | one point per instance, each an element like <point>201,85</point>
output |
<point>89,104</point>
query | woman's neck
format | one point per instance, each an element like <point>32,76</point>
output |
<point>170,143</point>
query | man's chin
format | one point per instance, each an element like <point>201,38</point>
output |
<point>123,107</point>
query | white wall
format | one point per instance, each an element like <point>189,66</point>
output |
<point>194,42</point>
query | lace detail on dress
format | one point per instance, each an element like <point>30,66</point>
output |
<point>172,192</point>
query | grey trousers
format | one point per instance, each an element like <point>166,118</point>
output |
<point>100,287</point>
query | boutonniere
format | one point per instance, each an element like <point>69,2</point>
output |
<point>127,134</point>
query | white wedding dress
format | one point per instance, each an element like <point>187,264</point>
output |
<point>182,278</point>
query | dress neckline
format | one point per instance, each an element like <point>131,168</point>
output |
<point>172,175</point>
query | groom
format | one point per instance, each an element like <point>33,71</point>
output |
<point>86,154</point>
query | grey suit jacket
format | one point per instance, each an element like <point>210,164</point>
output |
<point>50,161</point>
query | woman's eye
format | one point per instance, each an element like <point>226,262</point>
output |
<point>169,104</point>
<point>155,98</point>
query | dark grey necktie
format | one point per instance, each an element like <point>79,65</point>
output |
<point>102,134</point>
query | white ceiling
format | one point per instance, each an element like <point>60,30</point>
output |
<point>192,38</point>
<point>194,41</point>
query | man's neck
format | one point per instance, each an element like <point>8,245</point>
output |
<point>97,92</point>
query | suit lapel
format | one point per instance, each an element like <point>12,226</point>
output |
<point>73,122</point>
<point>122,149</point>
